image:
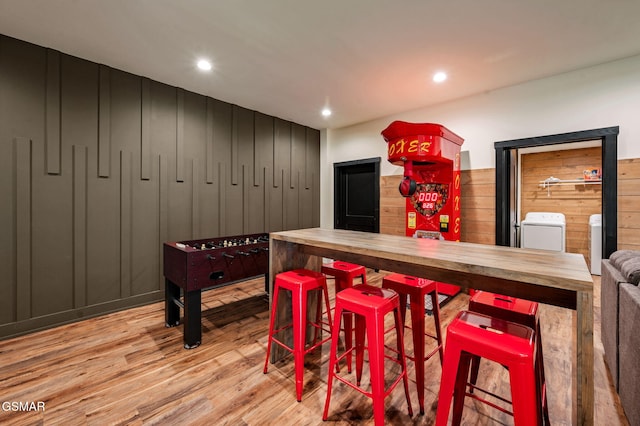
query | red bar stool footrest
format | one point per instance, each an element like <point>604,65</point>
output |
<point>299,282</point>
<point>344,273</point>
<point>369,305</point>
<point>513,345</point>
<point>415,290</point>
<point>516,310</point>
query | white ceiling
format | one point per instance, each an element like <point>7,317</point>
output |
<point>363,58</point>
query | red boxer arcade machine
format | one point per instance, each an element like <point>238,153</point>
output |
<point>430,155</point>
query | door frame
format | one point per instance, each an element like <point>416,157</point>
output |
<point>337,171</point>
<point>608,137</point>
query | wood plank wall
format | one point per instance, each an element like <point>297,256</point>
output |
<point>478,205</point>
<point>98,167</point>
<point>629,204</point>
<point>576,201</point>
<point>392,206</point>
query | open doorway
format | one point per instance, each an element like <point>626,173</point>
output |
<point>506,176</point>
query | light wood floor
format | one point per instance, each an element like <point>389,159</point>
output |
<point>127,368</point>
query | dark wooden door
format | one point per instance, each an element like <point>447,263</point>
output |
<point>357,195</point>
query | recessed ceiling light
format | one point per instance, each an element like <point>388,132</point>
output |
<point>326,112</point>
<point>439,77</point>
<point>204,65</point>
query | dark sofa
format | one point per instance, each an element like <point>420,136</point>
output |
<point>620,299</point>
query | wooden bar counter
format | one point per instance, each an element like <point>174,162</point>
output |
<point>560,279</point>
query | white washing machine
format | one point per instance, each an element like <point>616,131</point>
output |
<point>543,230</point>
<point>595,243</point>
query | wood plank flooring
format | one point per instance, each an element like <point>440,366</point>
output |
<point>127,368</point>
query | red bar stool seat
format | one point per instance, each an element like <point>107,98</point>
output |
<point>417,289</point>
<point>369,305</point>
<point>507,343</point>
<point>344,273</point>
<point>516,310</point>
<point>299,282</point>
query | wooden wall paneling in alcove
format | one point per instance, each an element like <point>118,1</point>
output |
<point>576,201</point>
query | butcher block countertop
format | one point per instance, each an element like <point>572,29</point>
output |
<point>448,261</point>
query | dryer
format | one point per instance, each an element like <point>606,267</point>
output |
<point>543,230</point>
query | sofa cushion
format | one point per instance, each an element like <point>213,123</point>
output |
<point>617,258</point>
<point>609,289</point>
<point>630,269</point>
<point>628,263</point>
<point>629,386</point>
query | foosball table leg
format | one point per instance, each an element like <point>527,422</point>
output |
<point>171,304</point>
<point>192,314</point>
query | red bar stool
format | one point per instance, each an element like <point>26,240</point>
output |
<point>369,305</point>
<point>417,289</point>
<point>512,345</point>
<point>516,310</point>
<point>299,282</point>
<point>344,274</point>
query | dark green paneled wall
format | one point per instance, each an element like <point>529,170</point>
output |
<point>98,167</point>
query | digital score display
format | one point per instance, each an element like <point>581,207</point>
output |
<point>430,198</point>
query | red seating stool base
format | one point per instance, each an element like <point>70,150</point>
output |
<point>299,282</point>
<point>344,273</point>
<point>510,344</point>
<point>369,305</point>
<point>417,289</point>
<point>520,311</point>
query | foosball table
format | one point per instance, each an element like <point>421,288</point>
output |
<point>196,265</point>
